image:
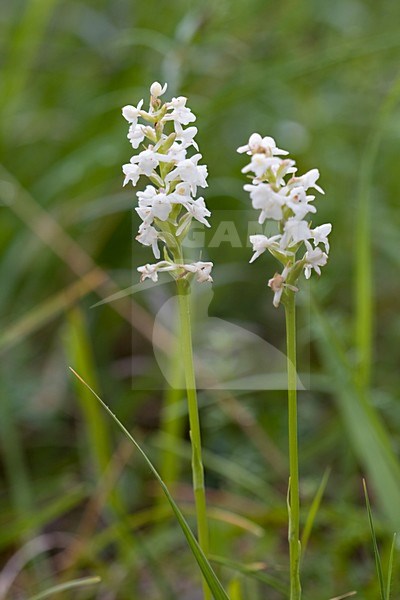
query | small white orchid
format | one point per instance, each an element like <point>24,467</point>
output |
<point>265,198</point>
<point>320,235</point>
<point>175,154</point>
<point>308,180</point>
<point>261,243</point>
<point>314,259</point>
<point>198,210</point>
<point>167,208</point>
<point>278,283</point>
<point>190,172</point>
<point>147,161</point>
<point>168,205</point>
<point>299,203</point>
<point>148,236</point>
<point>157,202</point>
<point>132,173</point>
<point>186,136</point>
<point>287,204</point>
<point>260,163</point>
<point>258,144</point>
<point>180,112</point>
<point>201,269</point>
<point>151,271</point>
<point>132,113</point>
<point>295,231</point>
<point>136,135</point>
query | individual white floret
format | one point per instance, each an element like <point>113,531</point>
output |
<point>201,269</point>
<point>132,173</point>
<point>136,135</point>
<point>260,244</point>
<point>260,163</point>
<point>258,144</point>
<point>295,231</point>
<point>148,236</point>
<point>267,200</point>
<point>308,180</point>
<point>151,271</point>
<point>315,259</point>
<point>132,113</point>
<point>147,160</point>
<point>180,112</point>
<point>189,171</point>
<point>175,154</point>
<point>186,136</point>
<point>320,235</point>
<point>198,210</point>
<point>157,202</point>
<point>299,203</point>
<point>278,283</point>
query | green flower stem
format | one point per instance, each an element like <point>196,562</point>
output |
<point>293,494</point>
<point>194,421</point>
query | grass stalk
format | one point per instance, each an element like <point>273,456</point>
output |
<point>293,493</point>
<point>364,241</point>
<point>172,419</point>
<point>194,421</point>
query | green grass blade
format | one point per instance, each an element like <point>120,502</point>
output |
<point>11,530</point>
<point>173,421</point>
<point>23,45</point>
<point>40,315</point>
<point>363,235</point>
<point>224,467</point>
<point>235,589</point>
<point>312,513</point>
<point>365,429</point>
<point>78,349</point>
<point>21,494</point>
<point>390,568</point>
<point>253,571</point>
<point>68,585</point>
<point>206,569</point>
<point>378,561</point>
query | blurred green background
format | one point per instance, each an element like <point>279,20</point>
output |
<point>323,79</point>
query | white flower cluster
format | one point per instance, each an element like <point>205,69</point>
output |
<point>287,203</point>
<point>168,204</point>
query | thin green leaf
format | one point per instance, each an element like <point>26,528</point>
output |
<point>312,513</point>
<point>68,585</point>
<point>49,511</point>
<point>40,315</point>
<point>366,431</point>
<point>378,561</point>
<point>235,589</point>
<point>390,568</point>
<point>363,238</point>
<point>206,569</point>
<point>253,571</point>
<point>78,349</point>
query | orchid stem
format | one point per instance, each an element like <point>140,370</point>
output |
<point>194,422</point>
<point>293,493</point>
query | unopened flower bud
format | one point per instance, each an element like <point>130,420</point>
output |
<point>157,90</point>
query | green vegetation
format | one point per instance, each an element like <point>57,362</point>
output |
<point>77,501</point>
